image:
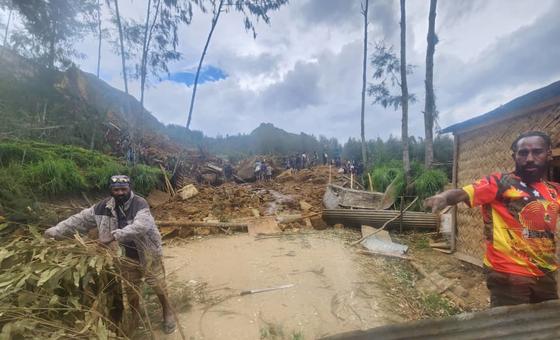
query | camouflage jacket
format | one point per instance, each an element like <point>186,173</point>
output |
<point>141,228</point>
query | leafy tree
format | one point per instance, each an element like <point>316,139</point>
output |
<point>159,38</point>
<point>249,8</point>
<point>388,73</point>
<point>51,27</point>
<point>352,149</point>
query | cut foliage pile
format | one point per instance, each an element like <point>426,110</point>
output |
<point>62,291</point>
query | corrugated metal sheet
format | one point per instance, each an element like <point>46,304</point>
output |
<point>376,218</point>
<point>527,322</point>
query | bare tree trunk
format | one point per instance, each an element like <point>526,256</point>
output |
<point>144,55</point>
<point>214,23</point>
<point>122,46</point>
<point>52,42</point>
<point>404,99</point>
<point>100,36</point>
<point>430,103</point>
<point>145,49</point>
<point>364,75</point>
<point>7,29</point>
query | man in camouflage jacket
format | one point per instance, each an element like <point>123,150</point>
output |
<point>125,218</point>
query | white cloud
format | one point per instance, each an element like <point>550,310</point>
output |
<point>303,72</point>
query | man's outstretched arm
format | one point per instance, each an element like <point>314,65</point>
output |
<point>80,222</point>
<point>450,197</point>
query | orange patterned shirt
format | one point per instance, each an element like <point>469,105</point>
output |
<point>519,223</point>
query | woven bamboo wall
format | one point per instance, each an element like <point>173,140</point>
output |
<point>485,150</point>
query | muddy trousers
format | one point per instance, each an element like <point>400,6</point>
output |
<point>509,289</point>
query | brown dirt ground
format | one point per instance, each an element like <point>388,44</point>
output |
<point>335,290</point>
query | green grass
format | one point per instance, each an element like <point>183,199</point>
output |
<point>145,178</point>
<point>429,182</point>
<point>271,331</point>
<point>422,242</point>
<point>297,336</point>
<point>384,174</point>
<point>438,306</point>
<point>31,172</point>
<point>400,280</point>
<point>54,177</point>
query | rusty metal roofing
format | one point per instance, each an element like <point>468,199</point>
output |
<point>525,101</point>
<point>527,322</point>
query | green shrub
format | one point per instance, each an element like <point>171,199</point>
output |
<point>429,183</point>
<point>97,178</point>
<point>55,177</point>
<point>15,195</point>
<point>424,182</point>
<point>144,178</point>
<point>31,171</point>
<point>384,175</point>
<point>18,153</point>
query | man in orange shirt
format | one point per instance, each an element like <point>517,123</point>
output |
<point>520,211</point>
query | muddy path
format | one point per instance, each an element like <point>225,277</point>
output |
<point>334,290</point>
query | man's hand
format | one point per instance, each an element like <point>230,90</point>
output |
<point>437,203</point>
<point>106,240</point>
<point>116,234</point>
<point>450,197</point>
<point>51,234</point>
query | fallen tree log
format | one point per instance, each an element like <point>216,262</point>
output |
<point>282,219</point>
<point>195,224</point>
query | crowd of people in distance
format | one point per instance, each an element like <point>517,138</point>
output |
<point>263,171</point>
<point>300,161</point>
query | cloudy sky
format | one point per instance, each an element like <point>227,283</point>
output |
<point>303,71</point>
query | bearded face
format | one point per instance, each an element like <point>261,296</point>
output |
<point>121,194</point>
<point>531,159</point>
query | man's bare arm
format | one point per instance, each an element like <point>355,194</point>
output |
<point>450,197</point>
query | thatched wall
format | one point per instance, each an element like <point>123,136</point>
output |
<point>485,149</point>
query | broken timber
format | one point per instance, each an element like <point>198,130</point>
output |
<point>376,218</point>
<point>337,196</point>
<point>194,224</point>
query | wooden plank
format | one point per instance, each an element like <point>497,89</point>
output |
<point>369,252</point>
<point>468,258</point>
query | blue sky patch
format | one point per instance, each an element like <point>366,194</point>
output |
<point>207,74</point>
